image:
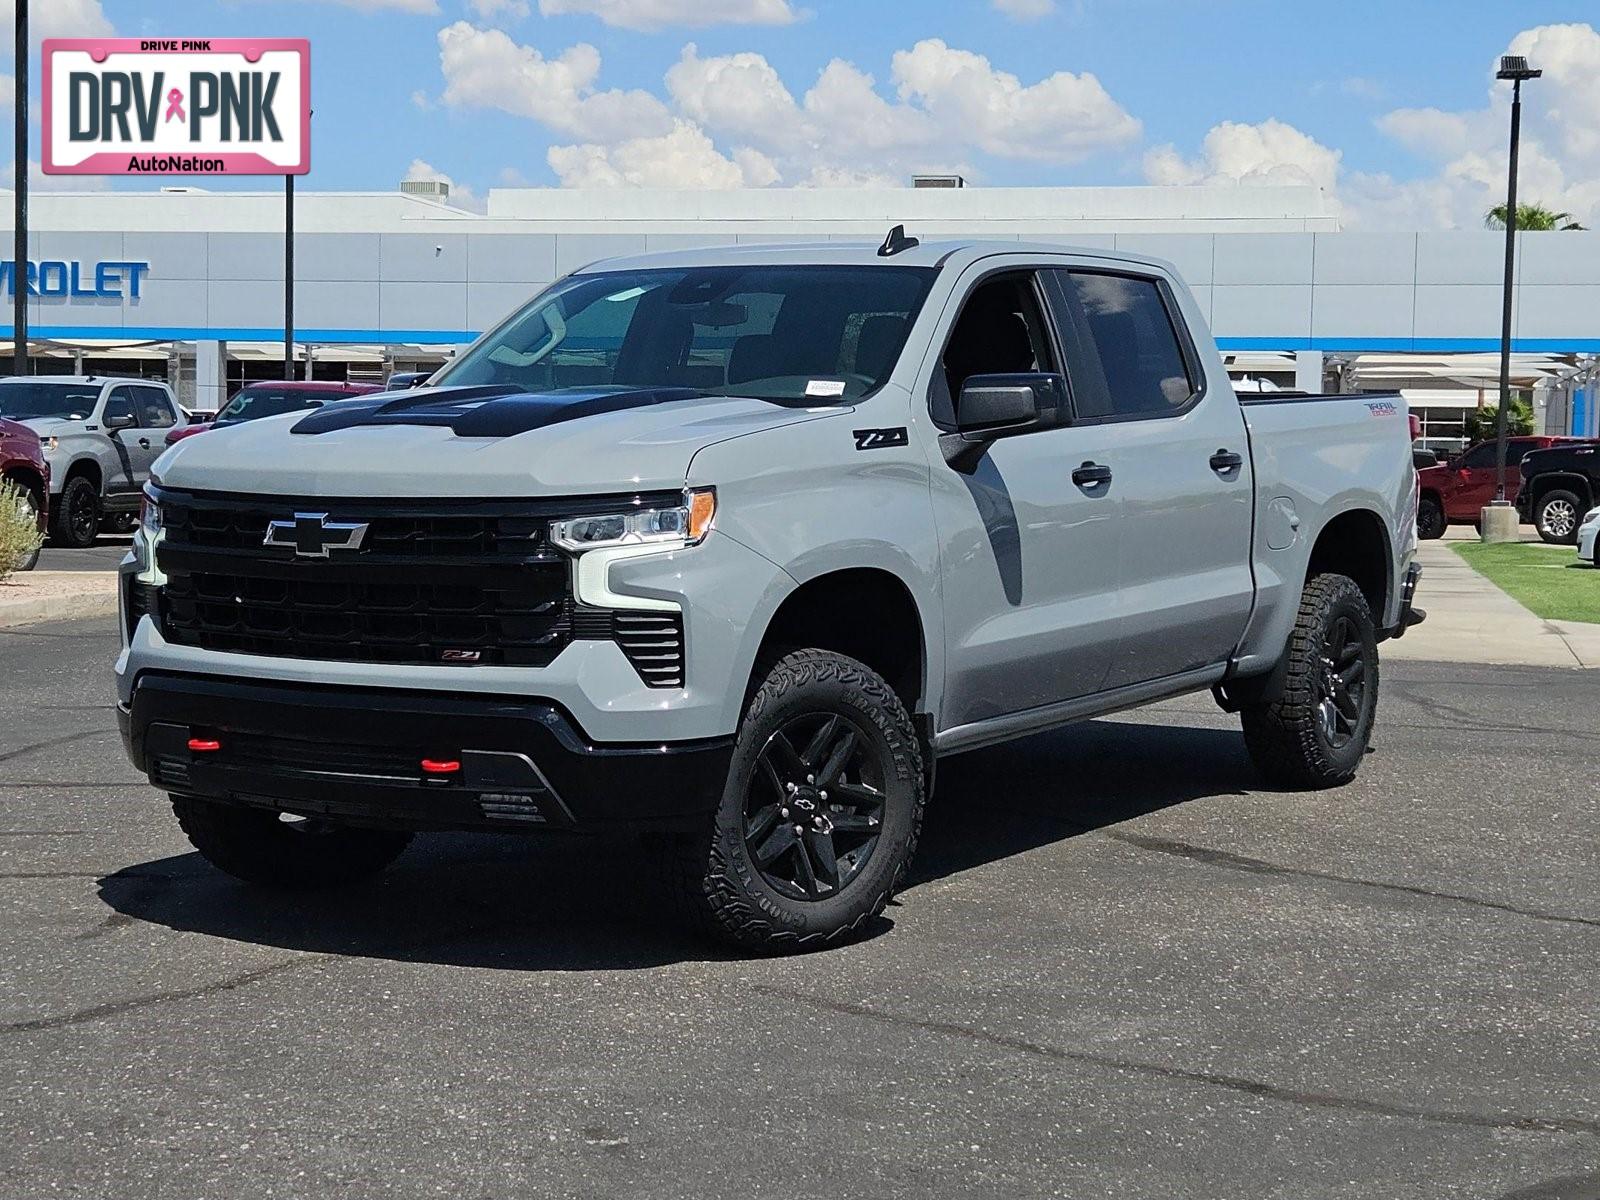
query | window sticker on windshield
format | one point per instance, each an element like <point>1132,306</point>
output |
<point>825,387</point>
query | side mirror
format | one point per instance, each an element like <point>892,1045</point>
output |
<point>120,419</point>
<point>998,406</point>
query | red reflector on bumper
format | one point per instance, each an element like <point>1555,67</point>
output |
<point>204,745</point>
<point>440,766</point>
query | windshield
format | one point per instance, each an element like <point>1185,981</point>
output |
<point>72,401</point>
<point>806,334</point>
<point>251,403</point>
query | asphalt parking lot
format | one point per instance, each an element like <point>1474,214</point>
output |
<point>1122,969</point>
<point>104,555</point>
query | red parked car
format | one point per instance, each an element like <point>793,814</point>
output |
<point>22,463</point>
<point>269,398</point>
<point>1455,492</point>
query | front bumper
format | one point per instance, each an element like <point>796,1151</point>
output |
<point>1588,534</point>
<point>355,754</point>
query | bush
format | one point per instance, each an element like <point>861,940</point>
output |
<point>1480,423</point>
<point>20,538</point>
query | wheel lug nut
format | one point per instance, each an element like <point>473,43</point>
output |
<point>822,795</point>
<point>799,829</point>
<point>811,778</point>
<point>784,813</point>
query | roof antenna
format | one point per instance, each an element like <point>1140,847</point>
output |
<point>896,242</point>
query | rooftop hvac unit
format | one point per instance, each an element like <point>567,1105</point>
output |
<point>938,181</point>
<point>436,189</point>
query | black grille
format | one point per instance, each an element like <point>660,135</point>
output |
<point>433,582</point>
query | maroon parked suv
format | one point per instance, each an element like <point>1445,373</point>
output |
<point>22,463</point>
<point>1454,492</point>
<point>270,398</point>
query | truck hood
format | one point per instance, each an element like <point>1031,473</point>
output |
<point>474,442</point>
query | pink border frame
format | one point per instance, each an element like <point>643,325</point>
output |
<point>243,163</point>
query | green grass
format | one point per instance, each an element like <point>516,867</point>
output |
<point>1547,579</point>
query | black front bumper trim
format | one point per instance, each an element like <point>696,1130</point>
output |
<point>355,754</point>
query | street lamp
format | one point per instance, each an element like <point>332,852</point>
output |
<point>1499,523</point>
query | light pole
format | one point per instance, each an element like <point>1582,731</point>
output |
<point>1499,522</point>
<point>19,217</point>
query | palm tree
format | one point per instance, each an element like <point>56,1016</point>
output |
<point>1531,217</point>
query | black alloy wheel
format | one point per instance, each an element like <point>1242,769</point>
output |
<point>814,810</point>
<point>76,519</point>
<point>1341,683</point>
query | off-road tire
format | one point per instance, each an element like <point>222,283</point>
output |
<point>68,524</point>
<point>1542,516</point>
<point>257,846</point>
<point>712,875</point>
<point>28,502</point>
<point>1285,738</point>
<point>1431,522</point>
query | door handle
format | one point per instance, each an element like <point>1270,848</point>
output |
<point>1091,475</point>
<point>1225,461</point>
<point>144,443</point>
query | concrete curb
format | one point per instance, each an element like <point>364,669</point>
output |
<point>65,606</point>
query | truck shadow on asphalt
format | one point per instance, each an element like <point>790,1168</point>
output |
<point>577,904</point>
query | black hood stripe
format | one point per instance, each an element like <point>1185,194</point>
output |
<point>488,411</point>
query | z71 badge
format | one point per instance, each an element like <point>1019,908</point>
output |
<point>879,439</point>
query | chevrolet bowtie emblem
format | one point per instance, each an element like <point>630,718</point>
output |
<point>312,535</point>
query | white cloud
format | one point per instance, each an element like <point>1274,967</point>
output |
<point>495,10</point>
<point>56,18</point>
<point>484,68</point>
<point>1560,159</point>
<point>1271,153</point>
<point>660,14</point>
<point>409,6</point>
<point>734,121</point>
<point>1062,118</point>
<point>1026,10</point>
<point>461,195</point>
<point>684,157</point>
<point>1464,151</point>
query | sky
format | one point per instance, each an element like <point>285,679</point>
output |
<point>1389,107</point>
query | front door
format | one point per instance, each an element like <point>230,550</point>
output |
<point>1180,463</point>
<point>123,475</point>
<point>1029,558</point>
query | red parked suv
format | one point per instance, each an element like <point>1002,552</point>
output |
<point>22,463</point>
<point>269,398</point>
<point>1455,492</point>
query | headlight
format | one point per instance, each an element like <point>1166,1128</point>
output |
<point>149,517</point>
<point>682,525</point>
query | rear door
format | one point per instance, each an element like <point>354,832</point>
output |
<point>1180,462</point>
<point>155,415</point>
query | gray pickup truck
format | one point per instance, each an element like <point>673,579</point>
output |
<point>727,547</point>
<point>100,435</point>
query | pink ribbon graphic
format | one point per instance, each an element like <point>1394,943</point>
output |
<point>175,106</point>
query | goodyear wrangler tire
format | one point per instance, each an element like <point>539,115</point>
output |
<point>820,815</point>
<point>258,846</point>
<point>1316,733</point>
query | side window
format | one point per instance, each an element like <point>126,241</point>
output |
<point>119,404</point>
<point>1484,455</point>
<point>155,410</point>
<point>1128,339</point>
<point>1001,331</point>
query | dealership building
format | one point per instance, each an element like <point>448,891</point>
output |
<point>187,285</point>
